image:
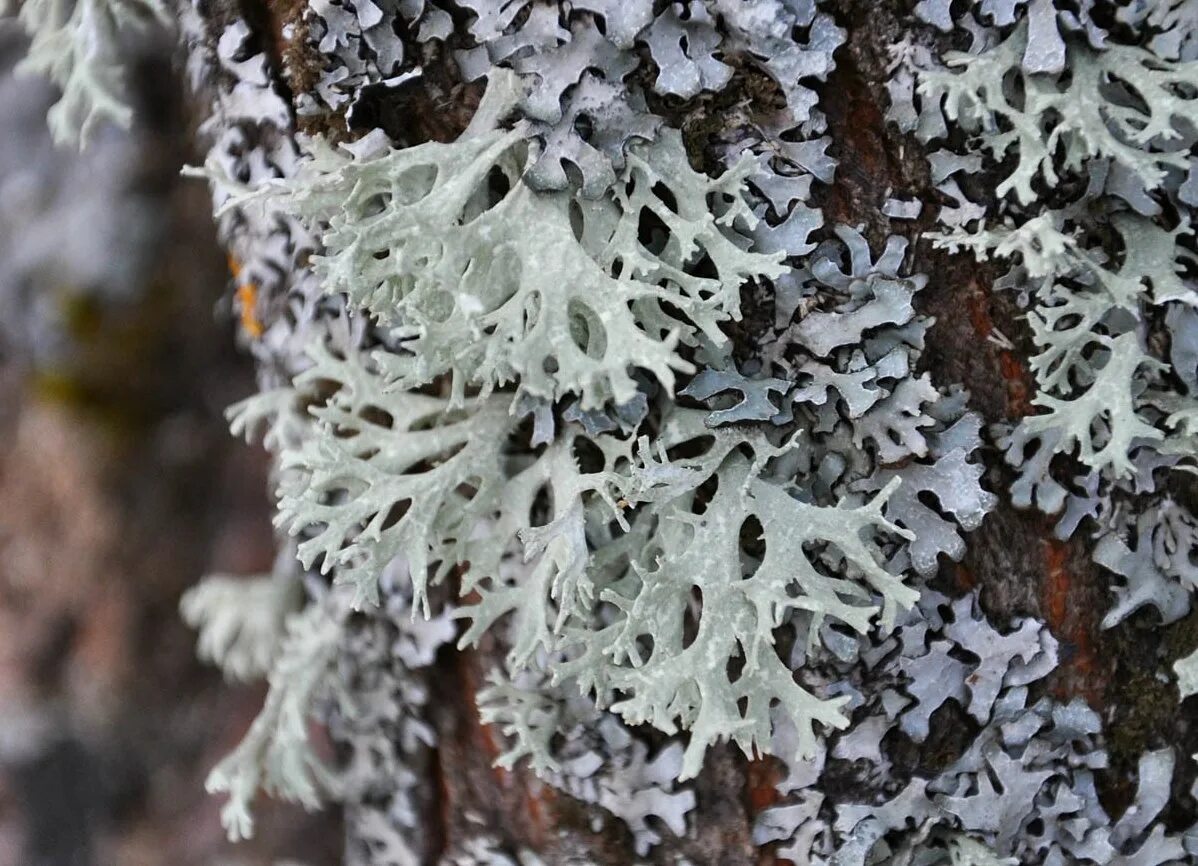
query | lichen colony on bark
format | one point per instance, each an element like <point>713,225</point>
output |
<point>632,390</point>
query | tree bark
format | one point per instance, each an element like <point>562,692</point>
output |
<point>1015,561</point>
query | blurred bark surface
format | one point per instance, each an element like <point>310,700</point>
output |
<point>122,488</point>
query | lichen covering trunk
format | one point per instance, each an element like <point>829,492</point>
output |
<point>725,431</point>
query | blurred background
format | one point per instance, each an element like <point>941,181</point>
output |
<point>120,486</point>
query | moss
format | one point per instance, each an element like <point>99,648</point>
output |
<point>81,315</point>
<point>950,731</point>
<point>1146,711</point>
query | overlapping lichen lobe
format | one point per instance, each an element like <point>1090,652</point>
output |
<point>875,161</point>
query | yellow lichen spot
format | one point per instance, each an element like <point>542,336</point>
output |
<point>247,302</point>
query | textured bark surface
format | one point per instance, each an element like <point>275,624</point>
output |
<point>1020,568</point>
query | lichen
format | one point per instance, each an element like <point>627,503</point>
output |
<point>508,386</point>
<point>80,45</point>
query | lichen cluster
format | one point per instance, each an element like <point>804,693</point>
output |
<point>660,440</point>
<point>1089,123</point>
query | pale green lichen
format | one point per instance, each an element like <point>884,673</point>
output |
<point>1071,114</point>
<point>493,283</point>
<point>79,45</point>
<point>718,574</point>
<point>241,620</point>
<point>560,296</point>
<point>684,675</point>
<point>1093,369</point>
<point>277,755</point>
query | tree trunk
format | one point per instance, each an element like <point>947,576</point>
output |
<point>439,794</point>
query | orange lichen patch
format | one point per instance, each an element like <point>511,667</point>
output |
<point>247,300</point>
<point>1066,611</point>
<point>247,304</point>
